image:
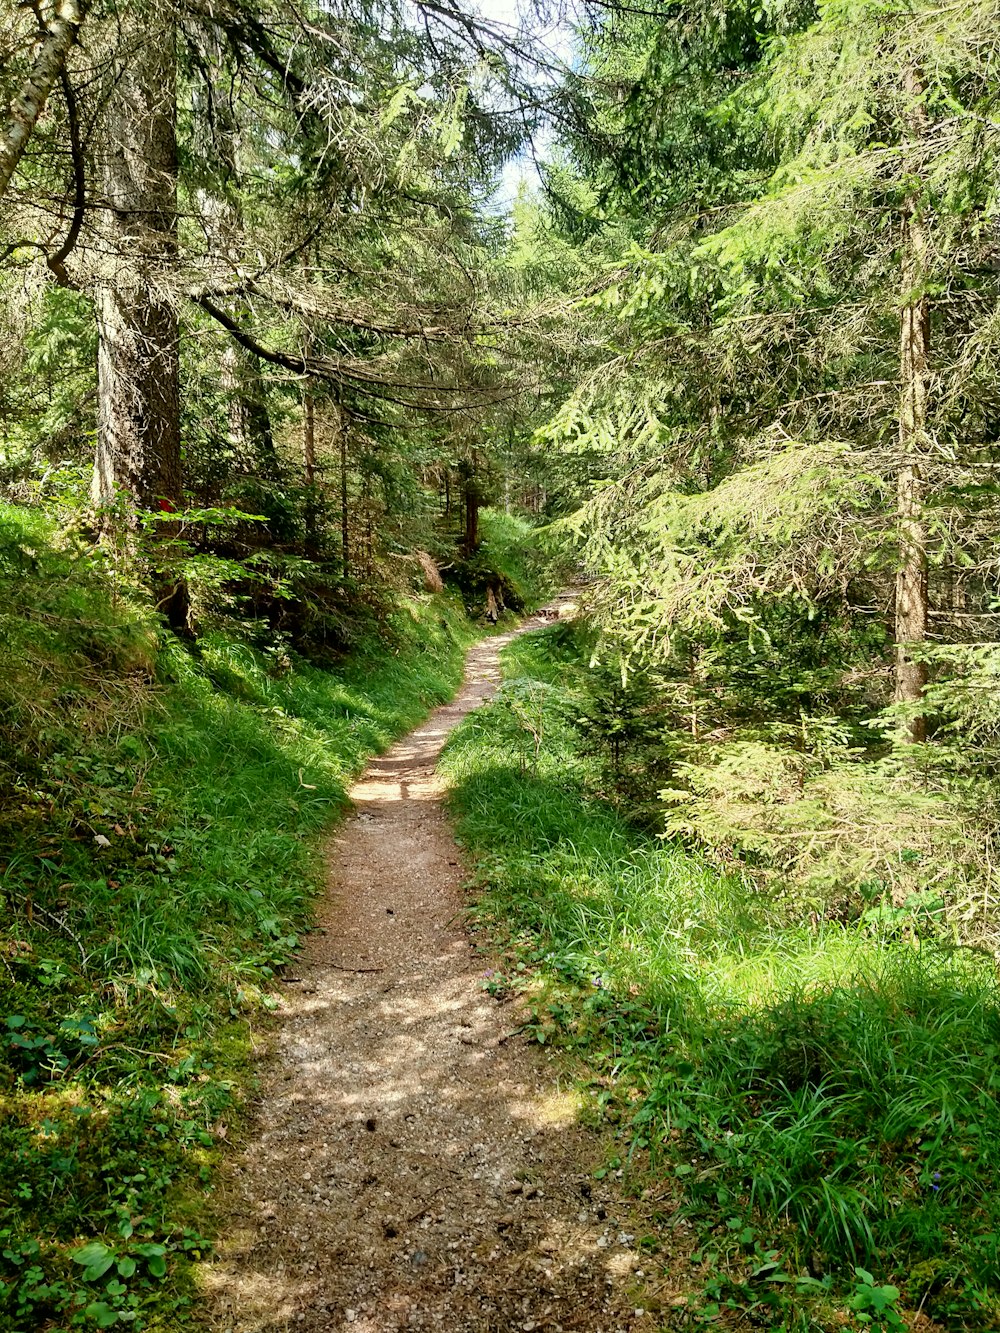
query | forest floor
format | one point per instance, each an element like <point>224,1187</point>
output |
<point>413,1161</point>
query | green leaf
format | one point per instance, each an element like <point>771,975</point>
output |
<point>95,1259</point>
<point>148,1250</point>
<point>398,102</point>
<point>102,1313</point>
<point>154,1256</point>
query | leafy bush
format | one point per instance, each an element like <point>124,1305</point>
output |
<point>509,561</point>
<point>830,826</point>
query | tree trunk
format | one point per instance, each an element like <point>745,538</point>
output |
<point>138,439</point>
<point>311,510</point>
<point>250,433</point>
<point>340,425</point>
<point>308,436</point>
<point>46,68</point>
<point>251,437</point>
<point>915,340</point>
<point>472,502</point>
<point>138,367</point>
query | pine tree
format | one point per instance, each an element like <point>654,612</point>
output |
<point>767,336</point>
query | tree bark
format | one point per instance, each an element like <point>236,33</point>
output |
<point>340,426</point>
<point>250,434</point>
<point>472,506</point>
<point>46,68</point>
<point>308,436</point>
<point>138,363</point>
<point>138,443</point>
<point>311,512</point>
<point>915,348</point>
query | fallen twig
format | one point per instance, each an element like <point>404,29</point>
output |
<point>31,906</point>
<point>513,1033</point>
<point>427,1203</point>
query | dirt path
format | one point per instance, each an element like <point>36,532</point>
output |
<point>414,1166</point>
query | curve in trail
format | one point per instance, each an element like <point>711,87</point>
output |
<point>413,1165</point>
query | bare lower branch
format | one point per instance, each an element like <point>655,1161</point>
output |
<point>48,64</point>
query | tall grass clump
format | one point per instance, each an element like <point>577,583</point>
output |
<point>823,1095</point>
<point>157,807</point>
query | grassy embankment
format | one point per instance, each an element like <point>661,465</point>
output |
<point>157,812</point>
<point>817,1099</point>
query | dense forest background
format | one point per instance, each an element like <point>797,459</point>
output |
<point>277,354</point>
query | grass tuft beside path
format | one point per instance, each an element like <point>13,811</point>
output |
<point>822,1100</point>
<point>157,813</point>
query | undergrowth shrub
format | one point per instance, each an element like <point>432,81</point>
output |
<point>831,809</point>
<point>822,824</point>
<point>509,562</point>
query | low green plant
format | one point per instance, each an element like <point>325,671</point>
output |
<point>875,1306</point>
<point>157,808</point>
<point>829,1083</point>
<point>509,562</point>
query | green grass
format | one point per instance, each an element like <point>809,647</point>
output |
<point>511,545</point>
<point>512,561</point>
<point>158,808</point>
<point>824,1097</point>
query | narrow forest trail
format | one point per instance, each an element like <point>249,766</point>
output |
<point>413,1165</point>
